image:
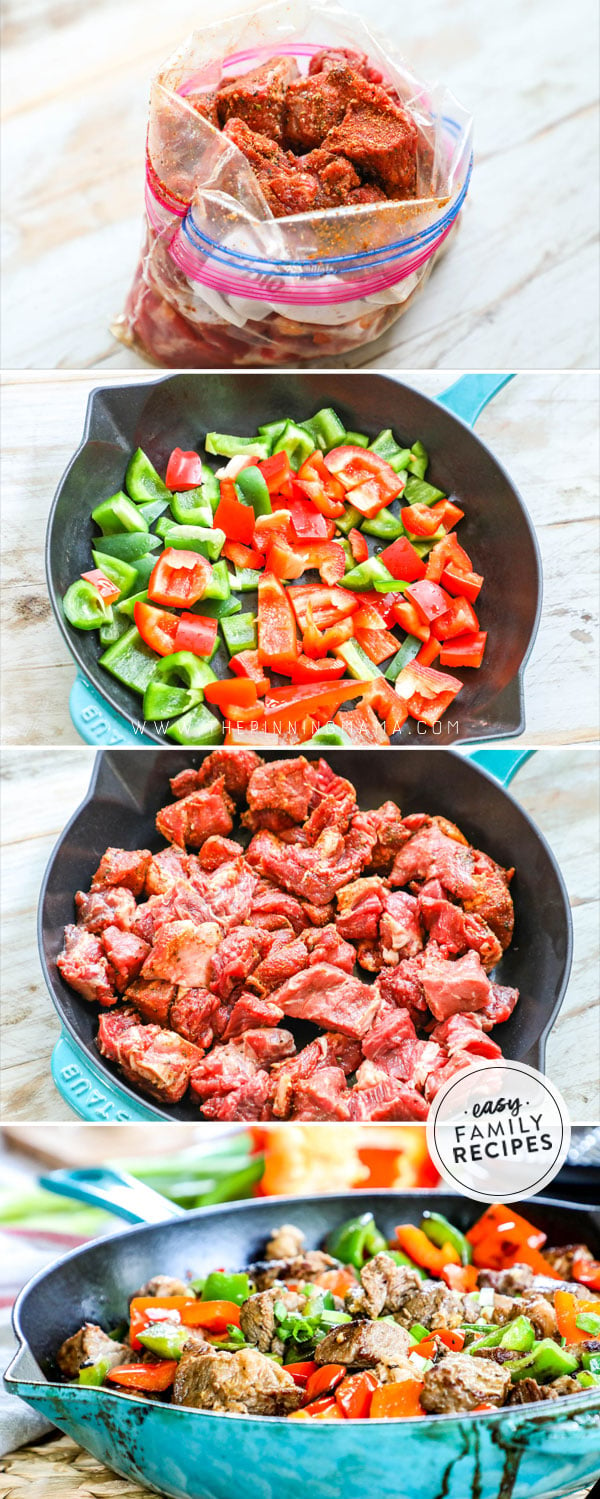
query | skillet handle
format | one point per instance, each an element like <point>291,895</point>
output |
<point>502,764</point>
<point>119,1193</point>
<point>96,722</point>
<point>469,394</point>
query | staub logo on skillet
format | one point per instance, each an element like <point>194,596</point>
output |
<point>499,1131</point>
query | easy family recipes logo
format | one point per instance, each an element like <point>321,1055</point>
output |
<point>500,1127</point>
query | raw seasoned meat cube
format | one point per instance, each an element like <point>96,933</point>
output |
<point>114,906</point>
<point>316,103</point>
<point>402,985</point>
<point>461,1381</point>
<point>266,1045</point>
<point>238,955</point>
<point>234,765</point>
<point>225,1068</point>
<point>269,901</point>
<point>455,930</point>
<point>112,1028</point>
<point>165,869</point>
<point>250,1101</point>
<point>335,174</point>
<point>143,925</point>
<point>315,873</point>
<point>343,1051</point>
<point>157,1061</point>
<point>153,999</point>
<point>323,1095</point>
<point>182,953</point>
<point>391,1043</point>
<point>85,966</point>
<point>181,902</point>
<point>362,1344</point>
<point>360,906</point>
<point>439,1075</point>
<point>192,1014</point>
<point>438,850</point>
<point>284,960</point>
<point>499,1007</point>
<point>387,1099</point>
<point>452,986</point>
<point>289,1073</point>
<point>328,998</point>
<point>327,946</point>
<point>193,819</point>
<point>464,1033</point>
<point>246,1382</point>
<point>281,786</point>
<point>399,927</point>
<point>335,57</point>
<point>380,138</point>
<point>121,866</point>
<point>125,952</point>
<point>259,96</point>
<point>228,891</point>
<point>333,811</point>
<point>248,1011</point>
<point>217,851</point>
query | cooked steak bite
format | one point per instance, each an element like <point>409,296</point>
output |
<point>384,1287</point>
<point>562,1259</point>
<point>433,1305</point>
<point>303,1266</point>
<point>126,954</point>
<point>462,1381</point>
<point>511,1282</point>
<point>114,906</point>
<point>247,1382</point>
<point>259,96</point>
<point>164,1285</point>
<point>328,998</point>
<point>450,987</point>
<point>190,821</point>
<point>541,1313</point>
<point>362,1344</point>
<point>120,866</point>
<point>153,999</point>
<point>258,1321</point>
<point>84,965</point>
<point>182,953</point>
<point>285,1243</point>
<point>85,1347</point>
<point>166,868</point>
<point>526,1391</point>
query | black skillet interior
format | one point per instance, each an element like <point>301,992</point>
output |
<point>180,409</point>
<point>129,786</point>
<point>95,1283</point>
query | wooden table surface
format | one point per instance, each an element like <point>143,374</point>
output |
<point>519,287</point>
<point>40,791</point>
<point>542,427</point>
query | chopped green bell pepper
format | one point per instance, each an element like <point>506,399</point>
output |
<point>328,734</point>
<point>228,445</point>
<point>325,429</point>
<point>131,661</point>
<point>164,524</point>
<point>253,490</point>
<point>356,439</point>
<point>587,1380</point>
<point>367,575</point>
<point>588,1322</point>
<point>184,666</point>
<point>297,443</point>
<point>208,542</point>
<point>240,633</point>
<point>144,567</point>
<point>211,488</point>
<point>591,1361</point>
<point>94,1374</point>
<point>198,726</point>
<point>270,431</point>
<point>129,546</point>
<point>192,508</point>
<point>113,629</point>
<point>424,546</point>
<point>164,700</point>
<point>219,586</point>
<point>166,1339</point>
<point>418,1332</point>
<point>386,526</point>
<point>359,665</point>
<point>245,579</point>
<point>408,650</point>
<point>356,1241</point>
<point>223,1285</point>
<point>142,482</point>
<point>418,461</point>
<point>519,1336</point>
<point>351,518</point>
<point>120,573</point>
<point>152,511</point>
<point>217,608</point>
<point>546,1361</point>
<point>386,446</point>
<point>419,492</point>
<point>84,607</point>
<point>127,606</point>
<point>118,514</point>
<point>441,1232</point>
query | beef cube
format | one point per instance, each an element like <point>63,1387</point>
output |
<point>433,1305</point>
<point>314,104</point>
<point>362,1344</point>
<point>324,1095</point>
<point>399,927</point>
<point>85,967</point>
<point>234,765</point>
<point>181,902</point>
<point>335,174</point>
<point>258,97</point>
<point>334,810</point>
<point>126,954</point>
<point>343,1051</point>
<point>392,1044</point>
<point>267,1044</point>
<point>511,1282</point>
<point>165,869</point>
<point>455,930</point>
<point>153,1000</point>
<point>269,901</point>
<point>237,957</point>
<point>284,960</point>
<point>360,906</point>
<point>182,953</point>
<point>85,1347</point>
<point>391,833</point>
<point>288,1073</point>
<point>461,1381</point>
<point>499,1007</point>
<point>402,985</point>
<point>450,987</point>
<point>258,1321</point>
<point>111,1030</point>
<point>328,998</point>
<point>143,925</point>
<point>192,1015</point>
<point>380,138</point>
<point>250,1011</point>
<point>194,818</point>
<point>228,891</point>
<point>250,1101</point>
<point>314,873</point>
<point>247,1382</point>
<point>449,1066</point>
<point>114,906</point>
<point>120,866</point>
<point>384,1287</point>
<point>336,57</point>
<point>217,851</point>
<point>431,852</point>
<point>155,1060</point>
<point>368,193</point>
<point>301,1265</point>
<point>164,1285</point>
<point>464,1033</point>
<point>388,1099</point>
<point>281,786</point>
<point>285,1242</point>
<point>225,1068</point>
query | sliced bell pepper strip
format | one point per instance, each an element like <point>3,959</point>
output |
<point>300,1372</point>
<point>325,428</point>
<point>278,473</point>
<point>248,664</point>
<point>325,669</point>
<point>358,663</point>
<point>156,627</point>
<point>228,446</point>
<point>215,1316</point>
<point>254,489</point>
<point>419,1247</point>
<point>465,650</point>
<point>283,709</point>
<point>179,578</point>
<point>320,1410</point>
<point>378,644</point>
<point>307,522</point>
<point>242,556</point>
<point>400,1399</point>
<point>440,1232</point>
<point>142,481</point>
<point>296,442</point>
<point>569,1309</point>
<point>418,491</point>
<point>429,600</point>
<point>368,616</point>
<point>407,615</point>
<point>586,1272</point>
<point>184,470</point>
<point>240,693</point>
<point>361,726</point>
<point>426,692</point>
<point>446,514</point>
<point>447,553</point>
<point>277,639</point>
<point>84,606</point>
<point>460,619</point>
<point>458,584</point>
<point>409,651</point>
<point>128,545</point>
<point>144,1376</point>
<point>354,1395</point>
<point>356,1241</point>
<point>197,726</point>
<point>232,516</point>
<point>430,650</point>
<point>419,521</point>
<point>358,545</point>
<point>324,1380</point>
<point>546,1361</point>
<point>167,1339</point>
<point>402,561</point>
<point>196,633</point>
<point>108,590</point>
<point>380,696</point>
<point>317,643</point>
<point>318,485</point>
<point>328,605</point>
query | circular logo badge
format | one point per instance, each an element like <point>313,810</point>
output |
<point>498,1131</point>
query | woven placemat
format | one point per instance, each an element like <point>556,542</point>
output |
<point>56,1468</point>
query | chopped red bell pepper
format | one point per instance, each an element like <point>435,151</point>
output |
<point>103,585</point>
<point>242,556</point>
<point>326,669</point>
<point>270,528</point>
<point>278,474</point>
<point>285,705</point>
<point>358,546</point>
<point>379,645</point>
<point>318,485</point>
<point>369,617</point>
<point>429,652</point>
<point>380,696</point>
<point>370,482</point>
<point>446,514</point>
<point>460,1277</point>
<point>419,521</point>
<point>316,643</point>
<point>196,633</point>
<point>586,1272</point>
<point>402,1398</point>
<point>362,725</point>
<point>184,471</point>
<point>142,1310</point>
<point>355,1393</point>
<point>232,517</point>
<point>406,615</point>
<point>568,1309</point>
<point>461,585</point>
<point>447,552</point>
<point>414,1242</point>
<point>248,664</point>
<point>277,639</point>
<point>501,1238</point>
<point>460,619</point>
<point>402,561</point>
<point>324,1380</point>
<point>239,693</point>
<point>301,1372</point>
<point>426,692</point>
<point>157,628</point>
<point>320,1410</point>
<point>429,600</point>
<point>149,1377</point>
<point>451,1338</point>
<point>384,603</point>
<point>290,562</point>
<point>464,650</point>
<point>307,522</point>
<point>179,578</point>
<point>328,605</point>
<point>215,1316</point>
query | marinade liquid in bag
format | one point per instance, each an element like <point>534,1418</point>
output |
<point>227,275</point>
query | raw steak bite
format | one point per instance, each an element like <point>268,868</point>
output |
<point>84,965</point>
<point>194,818</point>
